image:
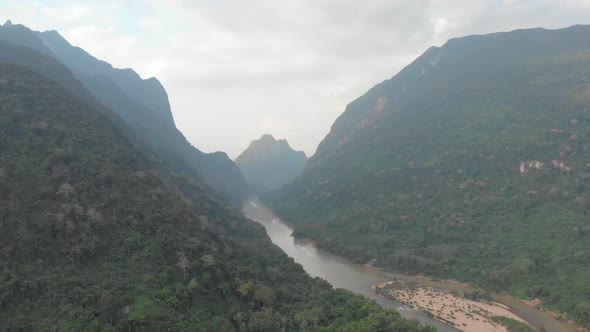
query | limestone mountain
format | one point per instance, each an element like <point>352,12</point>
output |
<point>267,163</point>
<point>142,104</point>
<point>95,235</point>
<point>470,163</point>
<point>149,92</point>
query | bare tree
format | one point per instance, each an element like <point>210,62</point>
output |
<point>66,190</point>
<point>183,263</point>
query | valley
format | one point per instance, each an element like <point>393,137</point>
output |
<point>98,233</point>
<point>452,196</point>
<point>363,279</point>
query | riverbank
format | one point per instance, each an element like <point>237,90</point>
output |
<point>342,274</point>
<point>451,307</point>
<point>537,305</point>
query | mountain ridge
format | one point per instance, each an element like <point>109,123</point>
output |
<point>150,93</point>
<point>154,129</point>
<point>429,59</point>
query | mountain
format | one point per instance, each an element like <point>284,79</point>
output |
<point>97,236</point>
<point>20,35</point>
<point>267,164</point>
<point>52,69</point>
<point>142,104</point>
<point>149,93</point>
<point>471,163</point>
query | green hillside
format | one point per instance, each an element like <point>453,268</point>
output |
<point>471,163</point>
<point>142,105</point>
<point>95,237</point>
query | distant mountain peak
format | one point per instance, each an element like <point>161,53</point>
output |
<point>268,163</point>
<point>269,141</point>
<point>8,23</point>
<point>267,137</point>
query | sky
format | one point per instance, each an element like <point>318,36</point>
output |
<point>236,69</point>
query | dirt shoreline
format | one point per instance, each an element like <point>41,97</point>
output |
<point>448,308</point>
<point>535,303</point>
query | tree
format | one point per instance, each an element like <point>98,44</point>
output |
<point>66,191</point>
<point>264,295</point>
<point>208,260</point>
<point>183,263</point>
<point>109,307</point>
<point>265,321</point>
<point>192,285</point>
<point>245,288</point>
<point>582,313</point>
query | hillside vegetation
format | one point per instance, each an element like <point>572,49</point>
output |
<point>471,163</point>
<point>96,237</point>
<point>142,105</point>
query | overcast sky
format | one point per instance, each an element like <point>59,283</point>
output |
<point>237,69</point>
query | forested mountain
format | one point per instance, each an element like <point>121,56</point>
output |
<point>142,104</point>
<point>95,236</point>
<point>471,163</point>
<point>54,70</point>
<point>267,163</point>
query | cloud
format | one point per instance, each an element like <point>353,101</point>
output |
<point>71,13</point>
<point>151,24</point>
<point>122,48</point>
<point>235,69</point>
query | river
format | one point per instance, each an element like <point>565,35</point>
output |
<point>342,274</point>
